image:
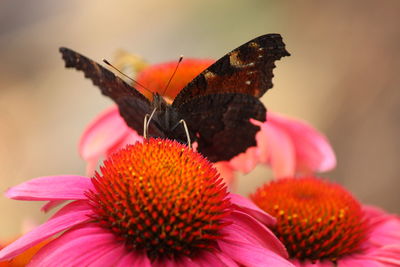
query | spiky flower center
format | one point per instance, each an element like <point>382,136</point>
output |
<point>316,219</point>
<point>160,197</point>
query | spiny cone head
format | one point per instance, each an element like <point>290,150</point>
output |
<point>316,219</point>
<point>162,198</point>
<point>155,77</point>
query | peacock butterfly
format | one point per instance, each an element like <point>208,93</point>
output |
<point>216,105</point>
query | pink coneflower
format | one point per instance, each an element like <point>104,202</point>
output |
<point>155,203</point>
<point>288,145</point>
<point>321,224</point>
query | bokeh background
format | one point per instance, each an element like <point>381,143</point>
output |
<point>343,77</point>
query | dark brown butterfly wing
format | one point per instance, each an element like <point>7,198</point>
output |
<point>109,84</point>
<point>113,87</point>
<point>133,110</point>
<point>220,123</point>
<point>247,70</point>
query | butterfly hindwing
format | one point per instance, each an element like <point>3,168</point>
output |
<point>221,123</point>
<point>246,69</point>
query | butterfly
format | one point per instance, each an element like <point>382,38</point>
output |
<point>215,107</point>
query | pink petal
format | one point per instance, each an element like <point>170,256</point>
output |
<point>103,133</point>
<point>69,187</point>
<point>51,204</point>
<point>69,216</point>
<point>249,207</point>
<point>249,255</point>
<point>276,148</point>
<point>209,259</point>
<point>176,262</point>
<point>228,261</point>
<point>134,259</point>
<point>226,172</point>
<point>247,161</point>
<point>359,262</point>
<point>313,151</point>
<point>130,138</point>
<point>389,254</point>
<point>91,165</point>
<point>87,245</point>
<point>385,227</point>
<point>248,230</point>
<point>110,257</point>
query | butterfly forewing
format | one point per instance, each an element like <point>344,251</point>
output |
<point>246,69</point>
<point>109,84</point>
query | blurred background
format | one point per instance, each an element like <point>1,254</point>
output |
<point>343,78</point>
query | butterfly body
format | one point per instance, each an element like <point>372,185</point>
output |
<point>217,105</point>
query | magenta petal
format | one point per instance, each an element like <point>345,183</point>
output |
<point>68,187</point>
<point>103,133</point>
<point>313,151</point>
<point>226,172</point>
<point>248,230</point>
<point>111,255</point>
<point>87,245</point>
<point>385,227</point>
<point>247,161</point>
<point>228,261</point>
<point>51,204</point>
<point>209,259</point>
<point>249,207</point>
<point>71,215</point>
<point>249,255</point>
<point>359,262</point>
<point>134,259</point>
<point>389,254</point>
<point>276,149</point>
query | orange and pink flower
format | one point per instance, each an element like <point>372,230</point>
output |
<point>156,203</point>
<point>322,224</point>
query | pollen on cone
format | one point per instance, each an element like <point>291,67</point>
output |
<point>160,197</point>
<point>316,219</point>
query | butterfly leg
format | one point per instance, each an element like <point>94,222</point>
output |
<point>147,119</point>
<point>187,132</point>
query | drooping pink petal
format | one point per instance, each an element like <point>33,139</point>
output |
<point>227,260</point>
<point>313,151</point>
<point>91,165</point>
<point>103,133</point>
<point>359,262</point>
<point>276,148</point>
<point>389,254</point>
<point>249,255</point>
<point>226,172</point>
<point>385,227</point>
<point>246,229</point>
<point>69,216</point>
<point>68,187</point>
<point>134,259</point>
<point>209,259</point>
<point>247,161</point>
<point>249,207</point>
<point>87,245</point>
<point>51,204</point>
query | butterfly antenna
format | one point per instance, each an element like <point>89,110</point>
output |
<point>173,74</point>
<point>109,64</point>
